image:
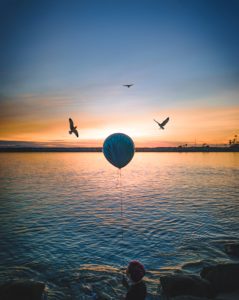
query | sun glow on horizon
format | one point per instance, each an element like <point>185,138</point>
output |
<point>201,125</point>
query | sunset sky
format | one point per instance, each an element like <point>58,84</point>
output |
<point>62,59</point>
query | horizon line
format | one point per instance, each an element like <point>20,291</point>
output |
<point>234,148</point>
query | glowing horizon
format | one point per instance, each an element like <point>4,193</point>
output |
<point>198,125</point>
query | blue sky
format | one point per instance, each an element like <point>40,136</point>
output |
<point>179,54</point>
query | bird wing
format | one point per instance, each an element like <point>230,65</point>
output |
<point>71,124</point>
<point>76,133</point>
<point>165,122</point>
<point>156,122</point>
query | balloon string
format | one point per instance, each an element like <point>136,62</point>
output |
<point>122,221</point>
<point>121,201</point>
<point>119,187</point>
<point>123,226</point>
<point>121,204</point>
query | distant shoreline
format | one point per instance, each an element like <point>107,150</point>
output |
<point>138,149</point>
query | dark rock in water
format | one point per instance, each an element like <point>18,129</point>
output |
<point>232,249</point>
<point>177,285</point>
<point>22,290</point>
<point>223,277</point>
<point>188,298</point>
<point>228,296</point>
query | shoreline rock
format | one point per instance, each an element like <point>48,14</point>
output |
<point>22,290</point>
<point>219,282</point>
<point>181,285</point>
<point>222,277</point>
<point>232,249</point>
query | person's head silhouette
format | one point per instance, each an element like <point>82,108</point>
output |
<point>135,271</point>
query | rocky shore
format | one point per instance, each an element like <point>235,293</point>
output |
<point>217,282</point>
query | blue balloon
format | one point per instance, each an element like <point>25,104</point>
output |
<point>118,149</point>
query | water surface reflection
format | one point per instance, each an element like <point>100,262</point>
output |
<point>62,211</point>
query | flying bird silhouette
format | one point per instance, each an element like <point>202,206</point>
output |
<point>73,128</point>
<point>161,125</point>
<point>128,85</point>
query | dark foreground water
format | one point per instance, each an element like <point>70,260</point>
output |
<point>61,221</point>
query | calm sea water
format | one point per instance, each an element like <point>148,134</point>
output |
<point>61,219</point>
